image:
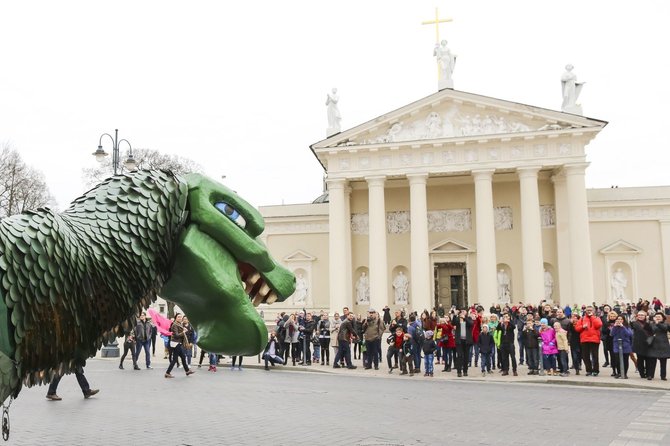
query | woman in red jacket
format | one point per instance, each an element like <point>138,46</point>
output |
<point>588,328</point>
<point>447,342</point>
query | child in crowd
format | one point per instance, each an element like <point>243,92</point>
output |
<point>486,349</point>
<point>562,345</point>
<point>406,356</point>
<point>428,348</point>
<point>549,348</point>
<point>622,332</point>
<point>530,336</point>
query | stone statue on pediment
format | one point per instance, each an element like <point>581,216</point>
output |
<point>333,112</point>
<point>571,90</point>
<point>446,61</point>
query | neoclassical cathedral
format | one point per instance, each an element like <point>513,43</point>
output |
<point>459,198</point>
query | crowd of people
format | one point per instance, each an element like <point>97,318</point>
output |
<point>550,340</point>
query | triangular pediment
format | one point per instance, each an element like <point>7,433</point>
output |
<point>450,246</point>
<point>299,256</point>
<point>450,114</point>
<point>621,247</point>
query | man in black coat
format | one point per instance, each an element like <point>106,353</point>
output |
<point>463,337</point>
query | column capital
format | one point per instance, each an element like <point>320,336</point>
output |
<point>482,174</point>
<point>575,168</point>
<point>377,180</point>
<point>558,177</point>
<point>417,178</point>
<point>528,171</point>
<point>336,183</point>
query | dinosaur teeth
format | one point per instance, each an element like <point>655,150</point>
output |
<point>250,282</point>
<point>265,289</point>
<point>254,285</point>
<point>258,299</point>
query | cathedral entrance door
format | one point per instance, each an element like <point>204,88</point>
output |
<point>450,284</point>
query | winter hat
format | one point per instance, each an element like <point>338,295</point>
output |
<point>544,321</point>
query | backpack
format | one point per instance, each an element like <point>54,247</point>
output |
<point>419,335</point>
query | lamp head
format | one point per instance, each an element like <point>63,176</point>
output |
<point>100,154</point>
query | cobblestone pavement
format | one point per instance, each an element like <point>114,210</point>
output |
<point>290,407</point>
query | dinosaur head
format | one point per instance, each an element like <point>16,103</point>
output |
<point>222,270</point>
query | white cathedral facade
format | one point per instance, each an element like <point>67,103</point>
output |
<point>459,198</point>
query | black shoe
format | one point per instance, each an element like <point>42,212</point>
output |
<point>337,366</point>
<point>121,366</point>
<point>664,379</point>
<point>90,392</point>
<point>606,364</point>
<point>649,378</point>
<point>465,373</point>
<point>367,368</point>
<point>135,367</point>
<point>351,367</point>
<point>460,374</point>
<point>594,374</point>
<point>376,368</point>
<point>267,368</point>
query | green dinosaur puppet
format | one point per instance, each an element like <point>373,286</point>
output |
<point>69,280</point>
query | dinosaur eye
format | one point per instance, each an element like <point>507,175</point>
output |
<point>231,213</point>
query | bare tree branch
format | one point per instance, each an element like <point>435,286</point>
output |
<point>21,186</point>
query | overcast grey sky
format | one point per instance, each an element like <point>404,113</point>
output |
<point>240,87</point>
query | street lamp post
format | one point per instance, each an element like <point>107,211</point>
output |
<point>100,153</point>
<point>111,349</point>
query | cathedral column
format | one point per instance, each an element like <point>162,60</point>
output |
<point>665,250</point>
<point>337,249</point>
<point>580,236</point>
<point>377,239</point>
<point>563,241</point>
<point>487,287</point>
<point>531,236</point>
<point>420,274</point>
<point>347,238</point>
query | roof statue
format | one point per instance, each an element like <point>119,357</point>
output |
<point>571,90</point>
<point>70,280</point>
<point>334,117</point>
<point>446,61</point>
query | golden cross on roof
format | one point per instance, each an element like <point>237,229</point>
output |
<point>436,22</point>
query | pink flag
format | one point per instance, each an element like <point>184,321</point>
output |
<point>162,323</point>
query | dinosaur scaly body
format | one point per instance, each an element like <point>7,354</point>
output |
<point>69,279</point>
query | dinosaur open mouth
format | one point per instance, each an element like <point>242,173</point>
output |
<point>258,291</point>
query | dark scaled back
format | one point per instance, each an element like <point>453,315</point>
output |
<point>68,280</point>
